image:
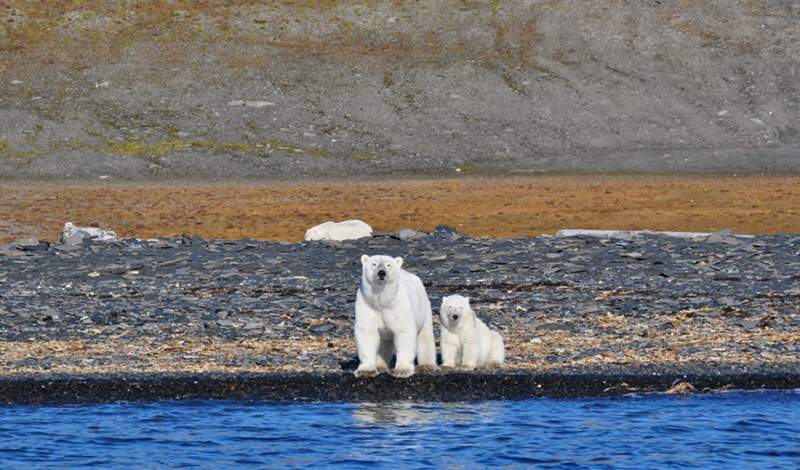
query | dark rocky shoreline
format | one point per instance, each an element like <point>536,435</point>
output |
<point>197,318</point>
<point>344,387</point>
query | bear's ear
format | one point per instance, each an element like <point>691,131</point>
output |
<point>364,259</point>
<point>466,299</point>
<point>399,262</point>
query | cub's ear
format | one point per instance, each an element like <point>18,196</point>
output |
<point>364,259</point>
<point>399,262</point>
<point>466,299</point>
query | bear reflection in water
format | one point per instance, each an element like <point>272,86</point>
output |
<point>406,412</point>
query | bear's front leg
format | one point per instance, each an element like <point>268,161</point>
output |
<point>405,345</point>
<point>426,347</point>
<point>367,343</point>
<point>496,351</point>
<point>449,345</point>
<point>469,356</point>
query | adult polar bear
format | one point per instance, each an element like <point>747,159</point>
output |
<point>393,315</point>
<point>339,231</point>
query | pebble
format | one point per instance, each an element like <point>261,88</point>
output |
<point>31,244</point>
<point>99,317</point>
<point>557,326</point>
<point>321,328</point>
<point>406,234</point>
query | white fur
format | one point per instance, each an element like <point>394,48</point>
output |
<point>347,230</point>
<point>393,316</point>
<point>467,343</point>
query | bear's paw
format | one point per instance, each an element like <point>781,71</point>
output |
<point>366,372</point>
<point>403,372</point>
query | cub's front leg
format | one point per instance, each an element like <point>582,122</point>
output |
<point>449,344</point>
<point>470,355</point>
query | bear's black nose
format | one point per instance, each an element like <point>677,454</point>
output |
<point>455,317</point>
<point>381,274</point>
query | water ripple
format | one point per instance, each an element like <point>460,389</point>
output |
<point>735,430</point>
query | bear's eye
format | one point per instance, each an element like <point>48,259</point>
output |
<point>374,265</point>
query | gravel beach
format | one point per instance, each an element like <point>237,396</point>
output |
<point>613,312</point>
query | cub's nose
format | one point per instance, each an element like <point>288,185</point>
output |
<point>381,274</point>
<point>455,317</point>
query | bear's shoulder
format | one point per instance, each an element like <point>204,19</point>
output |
<point>409,277</point>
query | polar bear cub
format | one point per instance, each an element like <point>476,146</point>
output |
<point>393,316</point>
<point>467,343</point>
<point>347,230</point>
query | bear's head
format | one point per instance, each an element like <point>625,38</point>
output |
<point>320,232</point>
<point>311,234</point>
<point>455,311</point>
<point>380,269</point>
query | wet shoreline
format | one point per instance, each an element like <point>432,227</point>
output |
<point>427,387</point>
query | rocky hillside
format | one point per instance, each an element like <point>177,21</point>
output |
<point>337,89</point>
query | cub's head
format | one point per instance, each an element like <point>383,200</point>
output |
<point>380,269</point>
<point>455,310</point>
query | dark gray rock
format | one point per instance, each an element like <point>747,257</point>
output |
<point>27,243</point>
<point>100,318</point>
<point>321,328</point>
<point>572,268</point>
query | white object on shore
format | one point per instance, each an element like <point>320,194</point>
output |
<point>628,234</point>
<point>251,104</point>
<point>73,235</point>
<point>347,230</point>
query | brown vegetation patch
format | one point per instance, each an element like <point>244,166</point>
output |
<point>496,208</point>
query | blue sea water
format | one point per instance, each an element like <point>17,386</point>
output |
<point>735,430</point>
